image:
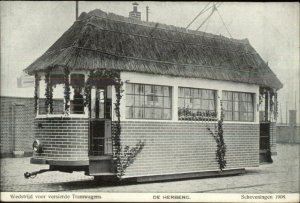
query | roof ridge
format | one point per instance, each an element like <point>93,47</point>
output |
<point>114,17</point>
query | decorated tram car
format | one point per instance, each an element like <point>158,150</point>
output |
<point>117,97</point>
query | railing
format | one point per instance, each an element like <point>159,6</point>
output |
<point>101,146</point>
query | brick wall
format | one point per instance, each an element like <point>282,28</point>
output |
<point>288,134</point>
<point>179,147</point>
<point>63,138</point>
<point>16,125</point>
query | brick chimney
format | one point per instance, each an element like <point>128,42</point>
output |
<point>135,14</point>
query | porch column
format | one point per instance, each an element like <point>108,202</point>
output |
<point>266,106</point>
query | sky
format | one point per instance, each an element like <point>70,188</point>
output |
<point>29,28</point>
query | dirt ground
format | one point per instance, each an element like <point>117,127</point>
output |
<point>280,177</point>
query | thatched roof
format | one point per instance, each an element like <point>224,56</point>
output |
<point>107,41</point>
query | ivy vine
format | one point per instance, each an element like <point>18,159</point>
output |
<point>274,103</point>
<point>36,89</point>
<point>67,90</point>
<point>126,157</point>
<point>219,138</point>
<point>48,93</point>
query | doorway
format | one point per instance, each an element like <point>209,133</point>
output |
<point>100,142</point>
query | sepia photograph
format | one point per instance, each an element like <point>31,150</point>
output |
<point>105,101</point>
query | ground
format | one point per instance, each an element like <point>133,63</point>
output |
<point>280,177</point>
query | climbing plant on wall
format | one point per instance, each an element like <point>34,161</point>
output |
<point>48,93</point>
<point>67,90</point>
<point>123,156</point>
<point>219,138</point>
<point>274,103</point>
<point>36,89</point>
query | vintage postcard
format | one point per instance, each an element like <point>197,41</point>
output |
<point>148,101</point>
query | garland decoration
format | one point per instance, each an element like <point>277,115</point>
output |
<point>36,89</point>
<point>67,90</point>
<point>219,138</point>
<point>48,93</point>
<point>274,103</point>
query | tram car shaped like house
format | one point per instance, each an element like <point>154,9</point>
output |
<point>119,97</point>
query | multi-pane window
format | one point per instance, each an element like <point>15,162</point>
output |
<point>238,106</point>
<point>196,103</point>
<point>148,101</point>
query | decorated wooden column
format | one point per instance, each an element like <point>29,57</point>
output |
<point>266,106</point>
<point>67,91</point>
<point>48,94</point>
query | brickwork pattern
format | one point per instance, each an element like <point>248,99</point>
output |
<point>63,138</point>
<point>16,124</point>
<point>180,147</point>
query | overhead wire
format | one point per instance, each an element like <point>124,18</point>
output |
<point>223,22</point>
<point>200,13</point>
<point>214,7</point>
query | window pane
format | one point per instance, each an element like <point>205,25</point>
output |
<point>205,105</point>
<point>129,112</point>
<point>229,106</point>
<point>249,107</point>
<point>236,96</point>
<point>167,102</point>
<point>195,93</point>
<point>243,106</point>
<point>139,101</point>
<point>158,113</point>
<point>250,117</point>
<point>138,113</point>
<point>138,89</point>
<point>187,103</point>
<point>242,97</point>
<point>225,95</point>
<point>148,89</point>
<point>167,114</point>
<point>159,90</point>
<point>205,94</point>
<point>236,106</point>
<point>158,102</point>
<point>236,116</point>
<point>129,100</point>
<point>211,94</point>
<point>149,112</point>
<point>187,92</point>
<point>129,88</point>
<point>180,102</point>
<point>250,97</point>
<point>211,105</point>
<point>225,105</point>
<point>167,91</point>
<point>196,104</point>
<point>181,92</point>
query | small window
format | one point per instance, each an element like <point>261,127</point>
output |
<point>77,99</point>
<point>238,106</point>
<point>57,83</point>
<point>148,101</point>
<point>196,104</point>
